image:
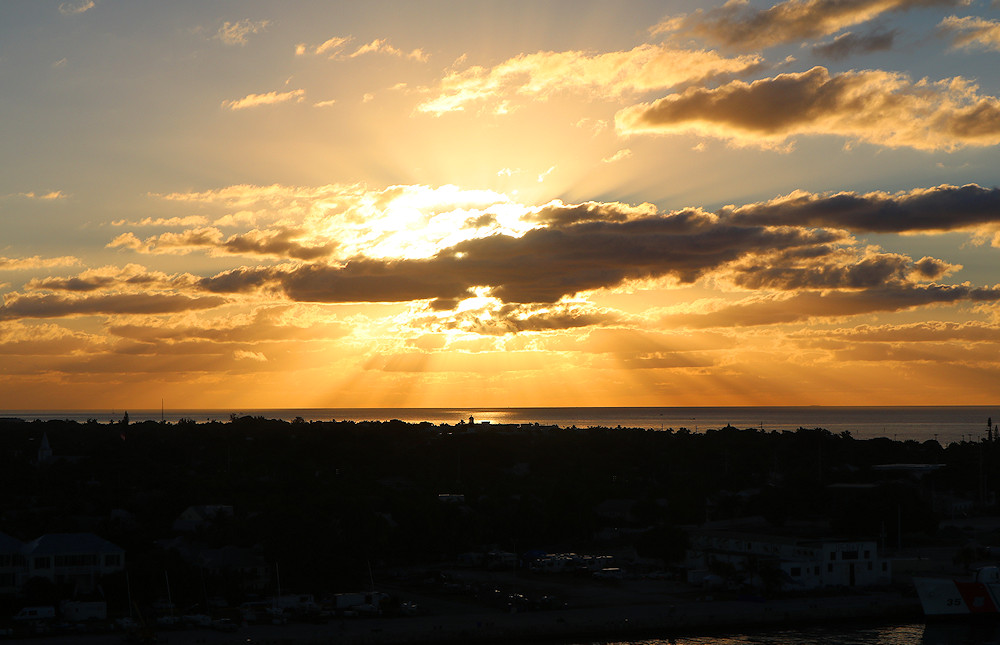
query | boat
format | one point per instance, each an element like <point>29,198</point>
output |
<point>978,594</point>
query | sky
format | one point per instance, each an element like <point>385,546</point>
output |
<point>246,204</point>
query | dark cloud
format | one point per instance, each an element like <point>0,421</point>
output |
<point>849,44</point>
<point>541,266</point>
<point>869,272</point>
<point>56,306</point>
<point>738,25</point>
<point>942,208</point>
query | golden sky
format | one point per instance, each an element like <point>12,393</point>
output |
<point>246,204</point>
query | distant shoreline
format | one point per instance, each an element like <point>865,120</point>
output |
<point>945,424</point>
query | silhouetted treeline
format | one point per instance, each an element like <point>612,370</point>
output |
<point>327,500</point>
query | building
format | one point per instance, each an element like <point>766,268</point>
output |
<point>11,564</point>
<point>798,563</point>
<point>196,517</point>
<point>72,559</point>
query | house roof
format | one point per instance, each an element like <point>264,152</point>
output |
<point>63,543</point>
<point>9,544</point>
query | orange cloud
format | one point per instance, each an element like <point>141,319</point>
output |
<point>238,33</point>
<point>971,32</point>
<point>270,98</point>
<point>36,262</point>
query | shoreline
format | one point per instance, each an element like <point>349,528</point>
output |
<point>650,620</point>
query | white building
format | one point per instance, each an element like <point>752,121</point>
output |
<point>805,564</point>
<point>11,564</point>
<point>77,559</point>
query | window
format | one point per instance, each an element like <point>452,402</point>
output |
<point>796,572</point>
<point>868,555</point>
<point>885,566</point>
<point>43,563</point>
<point>114,560</point>
<point>833,555</point>
<point>849,555</point>
<point>76,560</point>
<point>869,566</point>
<point>829,568</point>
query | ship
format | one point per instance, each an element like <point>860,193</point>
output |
<point>974,595</point>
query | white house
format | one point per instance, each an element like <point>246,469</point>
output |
<point>79,559</point>
<point>11,564</point>
<point>805,564</point>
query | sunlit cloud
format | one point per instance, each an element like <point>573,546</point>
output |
<point>280,243</point>
<point>52,195</point>
<point>36,262</point>
<point>244,355</point>
<point>239,32</point>
<point>621,155</point>
<point>382,46</point>
<point>736,24</point>
<point>882,108</point>
<point>76,8</point>
<point>190,220</point>
<point>329,47</point>
<point>599,76</point>
<point>323,104</point>
<point>971,32</point>
<point>270,98</point>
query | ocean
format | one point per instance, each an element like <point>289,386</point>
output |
<point>950,633</point>
<point>945,424</point>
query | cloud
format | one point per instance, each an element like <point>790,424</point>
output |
<point>622,154</point>
<point>52,195</point>
<point>604,76</point>
<point>382,46</point>
<point>848,44</point>
<point>333,46</point>
<point>738,25</point>
<point>281,243</point>
<point>810,305</point>
<point>877,107</point>
<point>265,324</point>
<point>17,305</point>
<point>542,265</point>
<point>938,209</point>
<point>323,104</point>
<point>36,262</point>
<point>190,220</point>
<point>791,271</point>
<point>131,277</point>
<point>923,332</point>
<point>238,33</point>
<point>971,32</point>
<point>334,49</point>
<point>244,355</point>
<point>76,8</point>
<point>270,98</point>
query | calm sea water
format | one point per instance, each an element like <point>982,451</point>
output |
<point>944,423</point>
<point>906,634</point>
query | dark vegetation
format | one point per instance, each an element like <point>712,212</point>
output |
<point>328,500</point>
